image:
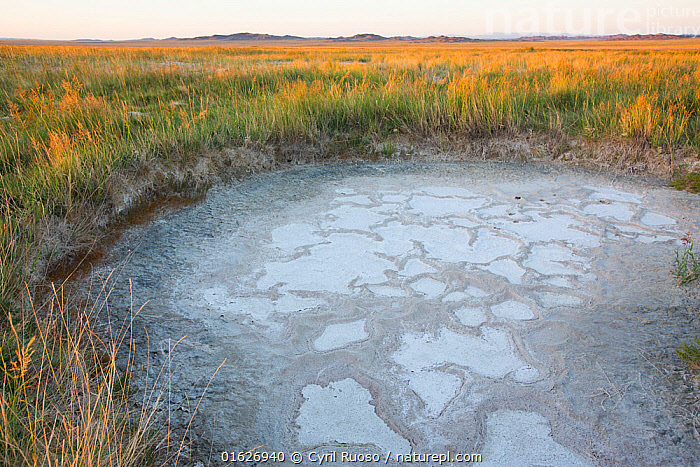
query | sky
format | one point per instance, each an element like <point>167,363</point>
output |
<point>134,19</point>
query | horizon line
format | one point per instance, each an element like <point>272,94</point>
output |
<point>488,36</point>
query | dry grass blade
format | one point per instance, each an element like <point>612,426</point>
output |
<point>64,401</point>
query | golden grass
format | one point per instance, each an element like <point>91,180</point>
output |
<point>67,394</point>
<point>64,401</point>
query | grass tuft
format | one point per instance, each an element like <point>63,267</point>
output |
<point>687,267</point>
<point>64,401</point>
<point>690,354</point>
<point>688,182</point>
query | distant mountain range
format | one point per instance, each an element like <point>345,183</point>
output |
<point>248,37</point>
<point>241,36</point>
<point>251,37</point>
<point>613,37</point>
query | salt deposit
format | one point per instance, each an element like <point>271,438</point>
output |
<point>507,310</point>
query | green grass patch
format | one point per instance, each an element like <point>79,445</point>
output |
<point>687,263</point>
<point>688,182</point>
<point>690,354</point>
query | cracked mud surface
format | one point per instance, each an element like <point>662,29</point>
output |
<point>518,312</point>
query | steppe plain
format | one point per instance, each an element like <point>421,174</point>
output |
<point>444,302</point>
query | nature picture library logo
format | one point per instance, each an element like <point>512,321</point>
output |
<point>550,19</point>
<point>660,20</point>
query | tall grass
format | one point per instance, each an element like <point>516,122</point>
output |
<point>64,401</point>
<point>76,122</point>
<point>71,117</point>
<point>687,263</point>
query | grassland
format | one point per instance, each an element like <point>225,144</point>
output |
<point>90,135</point>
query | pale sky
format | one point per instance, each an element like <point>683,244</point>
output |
<point>133,19</point>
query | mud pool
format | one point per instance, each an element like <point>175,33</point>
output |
<point>523,313</point>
